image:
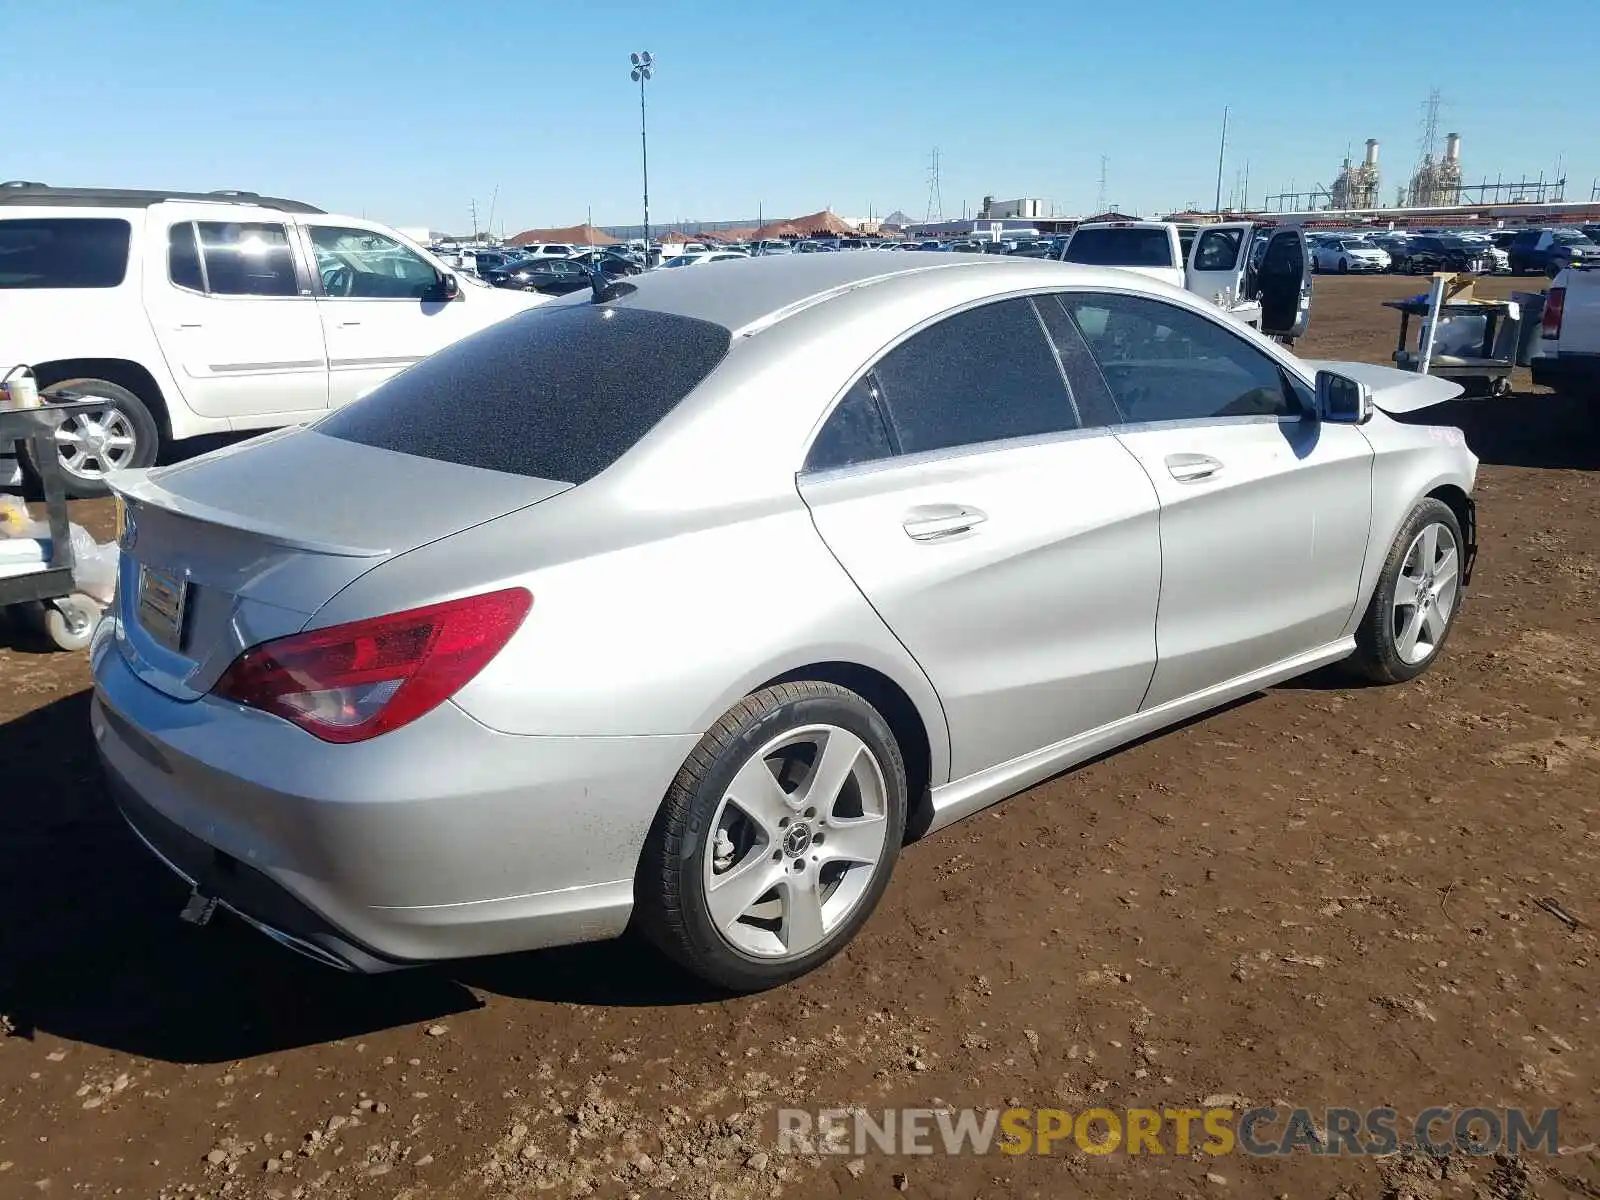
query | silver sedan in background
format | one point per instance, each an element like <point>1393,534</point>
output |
<point>684,603</point>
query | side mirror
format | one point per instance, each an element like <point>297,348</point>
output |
<point>449,286</point>
<point>1342,400</point>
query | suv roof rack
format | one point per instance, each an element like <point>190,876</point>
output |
<point>22,191</point>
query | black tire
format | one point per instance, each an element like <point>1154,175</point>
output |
<point>146,431</point>
<point>670,906</point>
<point>1377,655</point>
<point>1344,266</point>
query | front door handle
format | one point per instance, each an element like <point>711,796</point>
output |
<point>1188,468</point>
<point>929,522</point>
<point>348,324</point>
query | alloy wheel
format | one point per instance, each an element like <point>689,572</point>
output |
<point>796,842</point>
<point>1425,593</point>
<point>92,444</point>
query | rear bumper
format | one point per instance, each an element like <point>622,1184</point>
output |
<point>1568,372</point>
<point>440,840</point>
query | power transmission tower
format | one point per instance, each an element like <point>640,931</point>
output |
<point>1428,143</point>
<point>474,204</point>
<point>935,196</point>
<point>1100,202</point>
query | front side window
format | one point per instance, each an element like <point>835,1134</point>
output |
<point>1219,250</point>
<point>63,252</point>
<point>247,259</point>
<point>1166,363</point>
<point>983,375</point>
<point>359,264</point>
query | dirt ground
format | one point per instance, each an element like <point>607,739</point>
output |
<point>1323,896</point>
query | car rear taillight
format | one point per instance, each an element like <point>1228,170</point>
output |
<point>348,683</point>
<point>1554,303</point>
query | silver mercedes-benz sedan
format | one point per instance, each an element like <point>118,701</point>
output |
<point>684,603</point>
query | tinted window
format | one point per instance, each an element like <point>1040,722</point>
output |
<point>1219,250</point>
<point>979,376</point>
<point>1165,363</point>
<point>556,393</point>
<point>249,259</point>
<point>183,258</point>
<point>855,433</point>
<point>63,252</point>
<point>1120,248</point>
<point>1086,386</point>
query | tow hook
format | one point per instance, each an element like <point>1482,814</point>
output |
<point>199,910</point>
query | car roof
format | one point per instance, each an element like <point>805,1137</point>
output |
<point>749,294</point>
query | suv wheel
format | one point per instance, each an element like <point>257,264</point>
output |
<point>91,444</point>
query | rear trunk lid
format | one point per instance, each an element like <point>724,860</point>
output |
<point>245,544</point>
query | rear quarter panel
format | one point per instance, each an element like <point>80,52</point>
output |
<point>1580,319</point>
<point>655,631</point>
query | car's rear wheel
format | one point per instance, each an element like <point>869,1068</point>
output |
<point>1414,606</point>
<point>90,445</point>
<point>777,838</point>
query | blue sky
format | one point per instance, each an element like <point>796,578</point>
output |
<point>408,111</point>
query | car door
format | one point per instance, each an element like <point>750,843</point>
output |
<point>382,305</point>
<point>1217,260</point>
<point>1281,283</point>
<point>998,527</point>
<point>1264,510</point>
<point>231,304</point>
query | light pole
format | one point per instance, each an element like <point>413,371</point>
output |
<point>643,68</point>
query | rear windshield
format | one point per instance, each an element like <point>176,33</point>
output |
<point>1120,248</point>
<point>63,252</point>
<point>560,392</point>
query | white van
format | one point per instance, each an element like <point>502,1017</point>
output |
<point>196,313</point>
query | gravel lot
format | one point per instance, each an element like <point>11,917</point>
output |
<point>1326,895</point>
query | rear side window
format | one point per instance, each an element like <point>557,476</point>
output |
<point>183,258</point>
<point>1120,248</point>
<point>854,433</point>
<point>63,252</point>
<point>983,375</point>
<point>558,393</point>
<point>247,259</point>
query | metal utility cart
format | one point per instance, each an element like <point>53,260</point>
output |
<point>1489,359</point>
<point>45,592</point>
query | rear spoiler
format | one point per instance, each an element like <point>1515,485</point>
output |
<point>135,486</point>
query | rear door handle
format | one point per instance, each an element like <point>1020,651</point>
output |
<point>348,324</point>
<point>1188,468</point>
<point>929,522</point>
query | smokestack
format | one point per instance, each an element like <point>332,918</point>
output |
<point>1372,152</point>
<point>1452,147</point>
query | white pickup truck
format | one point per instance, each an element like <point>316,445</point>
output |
<point>1568,358</point>
<point>1258,275</point>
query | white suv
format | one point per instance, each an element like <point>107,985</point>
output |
<point>196,313</point>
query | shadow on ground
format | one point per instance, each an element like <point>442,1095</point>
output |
<point>1526,429</point>
<point>94,951</point>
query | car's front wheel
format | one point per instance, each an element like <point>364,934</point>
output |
<point>1418,595</point>
<point>777,838</point>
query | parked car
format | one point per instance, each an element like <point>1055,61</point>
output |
<point>548,276</point>
<point>550,249</point>
<point>700,258</point>
<point>1346,254</point>
<point>192,313</point>
<point>1433,252</point>
<point>1547,251</point>
<point>1259,275</point>
<point>1017,518</point>
<point>1568,355</point>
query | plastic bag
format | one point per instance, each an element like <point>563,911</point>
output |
<point>94,564</point>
